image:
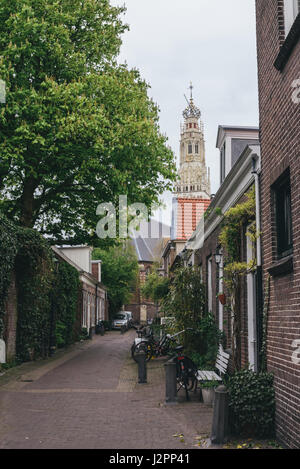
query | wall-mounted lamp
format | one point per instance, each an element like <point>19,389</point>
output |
<point>218,257</point>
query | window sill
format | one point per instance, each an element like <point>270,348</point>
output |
<point>282,267</point>
<point>288,45</point>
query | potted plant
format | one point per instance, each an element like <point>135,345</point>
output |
<point>222,298</point>
<point>208,391</point>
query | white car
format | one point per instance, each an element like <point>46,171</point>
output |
<point>121,319</point>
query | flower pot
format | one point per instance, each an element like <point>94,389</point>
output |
<point>222,298</point>
<point>208,395</point>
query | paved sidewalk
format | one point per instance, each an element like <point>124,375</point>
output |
<point>88,397</point>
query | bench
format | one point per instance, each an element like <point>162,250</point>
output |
<point>221,365</point>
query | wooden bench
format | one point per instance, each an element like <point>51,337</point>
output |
<point>221,365</point>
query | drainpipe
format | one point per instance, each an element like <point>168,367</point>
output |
<point>259,279</point>
<point>257,206</point>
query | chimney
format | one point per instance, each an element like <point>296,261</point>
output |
<point>96,270</point>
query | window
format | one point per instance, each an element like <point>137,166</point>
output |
<point>222,163</point>
<point>197,148</point>
<point>291,10</point>
<point>283,215</point>
<point>190,149</point>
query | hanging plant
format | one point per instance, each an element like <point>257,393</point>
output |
<point>222,298</point>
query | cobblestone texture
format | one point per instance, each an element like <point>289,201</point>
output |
<point>89,398</point>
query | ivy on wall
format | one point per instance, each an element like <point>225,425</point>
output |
<point>34,274</point>
<point>47,295</point>
<point>64,303</point>
<point>8,252</point>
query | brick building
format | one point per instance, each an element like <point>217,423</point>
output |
<point>203,248</point>
<point>278,48</point>
<point>148,243</point>
<point>92,297</point>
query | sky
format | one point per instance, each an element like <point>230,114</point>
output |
<point>209,42</point>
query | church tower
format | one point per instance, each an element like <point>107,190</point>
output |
<point>192,190</point>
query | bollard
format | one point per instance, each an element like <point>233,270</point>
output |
<point>142,367</point>
<point>171,382</point>
<point>220,425</point>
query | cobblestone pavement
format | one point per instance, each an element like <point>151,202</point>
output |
<point>88,397</point>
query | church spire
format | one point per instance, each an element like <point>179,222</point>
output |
<point>194,178</point>
<point>191,110</point>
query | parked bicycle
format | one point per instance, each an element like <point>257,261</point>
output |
<point>186,372</point>
<point>151,347</point>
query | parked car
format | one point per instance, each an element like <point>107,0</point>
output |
<point>121,319</point>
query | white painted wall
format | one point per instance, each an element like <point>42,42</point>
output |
<point>291,10</point>
<point>81,256</point>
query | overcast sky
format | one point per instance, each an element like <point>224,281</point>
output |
<point>209,42</point>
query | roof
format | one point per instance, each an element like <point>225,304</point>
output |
<point>150,240</point>
<point>234,127</point>
<point>88,275</point>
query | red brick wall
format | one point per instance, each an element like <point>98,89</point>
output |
<point>280,143</point>
<point>137,299</point>
<point>189,213</point>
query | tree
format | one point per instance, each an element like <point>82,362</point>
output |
<point>155,287</point>
<point>119,274</point>
<point>77,129</point>
<point>185,302</point>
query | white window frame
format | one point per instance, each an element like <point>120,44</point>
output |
<point>291,10</point>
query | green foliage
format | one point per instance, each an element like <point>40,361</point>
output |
<point>156,287</point>
<point>234,222</point>
<point>77,129</point>
<point>185,302</point>
<point>43,292</point>
<point>203,342</point>
<point>34,273</point>
<point>84,334</point>
<point>210,384</point>
<point>64,303</point>
<point>252,404</point>
<point>119,274</point>
<point>8,251</point>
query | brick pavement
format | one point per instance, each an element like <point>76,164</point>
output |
<point>88,397</point>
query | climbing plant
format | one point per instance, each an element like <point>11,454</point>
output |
<point>44,293</point>
<point>234,222</point>
<point>8,251</point>
<point>34,274</point>
<point>185,302</point>
<point>64,296</point>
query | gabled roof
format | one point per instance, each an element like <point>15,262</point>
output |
<point>149,244</point>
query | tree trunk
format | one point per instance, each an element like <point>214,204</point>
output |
<point>27,202</point>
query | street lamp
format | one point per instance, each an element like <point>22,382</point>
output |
<point>218,256</point>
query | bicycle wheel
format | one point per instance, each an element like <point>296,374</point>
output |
<point>186,375</point>
<point>190,373</point>
<point>142,347</point>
